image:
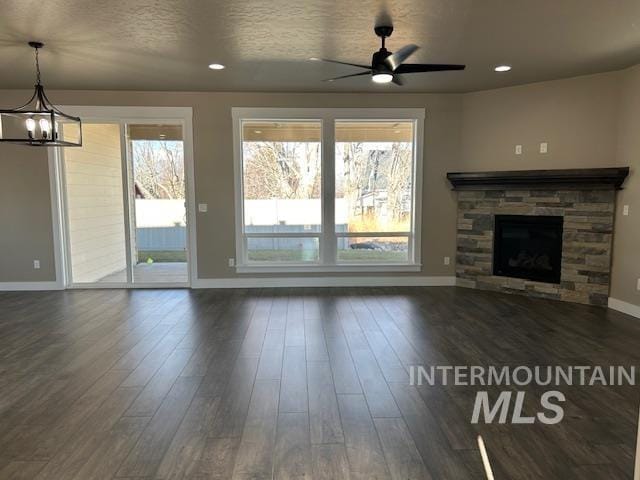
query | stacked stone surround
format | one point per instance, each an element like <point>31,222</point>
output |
<point>586,244</point>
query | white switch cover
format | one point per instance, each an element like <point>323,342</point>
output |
<point>202,207</point>
<point>625,210</point>
<point>518,149</point>
<point>36,264</point>
<point>232,262</point>
<point>447,260</point>
<point>543,147</point>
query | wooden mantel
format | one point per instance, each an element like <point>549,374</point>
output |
<point>578,178</point>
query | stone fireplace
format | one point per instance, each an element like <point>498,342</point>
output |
<point>541,233</point>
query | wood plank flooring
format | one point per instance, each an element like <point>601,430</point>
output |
<point>299,384</point>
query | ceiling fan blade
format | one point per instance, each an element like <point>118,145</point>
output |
<point>368,67</point>
<point>426,67</point>
<point>397,80</point>
<point>348,76</point>
<point>394,60</point>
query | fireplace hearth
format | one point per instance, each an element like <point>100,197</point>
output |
<point>528,247</point>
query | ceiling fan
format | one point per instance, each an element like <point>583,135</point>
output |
<point>387,66</point>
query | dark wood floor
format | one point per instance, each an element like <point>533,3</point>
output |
<point>308,383</point>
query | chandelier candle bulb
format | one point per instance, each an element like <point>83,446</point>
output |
<point>31,126</point>
<point>44,127</point>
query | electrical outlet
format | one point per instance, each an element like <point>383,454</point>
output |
<point>232,262</point>
<point>447,260</point>
<point>36,264</point>
<point>518,149</point>
<point>625,210</point>
<point>203,207</point>
<point>543,147</point>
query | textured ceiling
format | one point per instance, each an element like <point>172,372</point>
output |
<point>265,44</point>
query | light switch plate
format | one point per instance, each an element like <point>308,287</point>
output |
<point>232,262</point>
<point>625,210</point>
<point>543,147</point>
<point>202,207</point>
<point>36,264</point>
<point>518,149</point>
<point>638,285</point>
<point>447,260</point>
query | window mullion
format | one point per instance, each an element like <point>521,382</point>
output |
<point>328,149</point>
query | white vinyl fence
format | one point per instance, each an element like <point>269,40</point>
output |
<point>161,225</point>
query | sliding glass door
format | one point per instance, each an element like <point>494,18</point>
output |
<point>159,233</point>
<point>125,205</point>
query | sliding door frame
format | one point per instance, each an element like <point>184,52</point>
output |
<point>122,116</point>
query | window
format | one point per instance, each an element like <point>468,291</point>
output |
<point>327,189</point>
<point>281,182</point>
<point>374,190</point>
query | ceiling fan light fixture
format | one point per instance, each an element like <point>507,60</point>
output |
<point>382,77</point>
<point>502,68</point>
<point>386,66</point>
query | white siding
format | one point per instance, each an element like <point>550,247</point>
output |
<point>95,204</point>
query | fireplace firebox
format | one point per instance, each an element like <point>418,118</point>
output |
<point>528,247</point>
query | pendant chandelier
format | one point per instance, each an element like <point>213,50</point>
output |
<point>38,122</point>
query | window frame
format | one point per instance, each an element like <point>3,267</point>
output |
<point>328,239</point>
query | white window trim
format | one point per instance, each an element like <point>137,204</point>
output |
<point>328,117</point>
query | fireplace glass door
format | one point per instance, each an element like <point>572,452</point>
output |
<point>528,247</point>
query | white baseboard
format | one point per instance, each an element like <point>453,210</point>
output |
<point>350,281</point>
<point>21,286</point>
<point>624,307</point>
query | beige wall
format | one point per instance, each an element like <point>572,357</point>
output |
<point>213,151</point>
<point>25,215</point>
<point>95,204</point>
<point>577,118</point>
<point>626,249</point>
<point>478,131</point>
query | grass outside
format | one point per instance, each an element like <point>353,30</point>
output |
<point>355,255</point>
<point>168,256</point>
<point>351,255</point>
<point>282,255</point>
<point>382,256</point>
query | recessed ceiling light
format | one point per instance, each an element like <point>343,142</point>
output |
<point>502,68</point>
<point>314,59</point>
<point>257,131</point>
<point>216,66</point>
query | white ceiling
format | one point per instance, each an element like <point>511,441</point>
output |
<point>265,44</point>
